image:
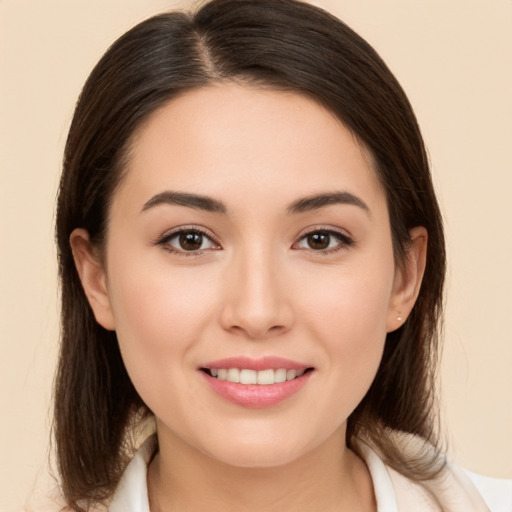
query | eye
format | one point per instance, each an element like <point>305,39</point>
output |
<point>323,240</point>
<point>188,240</point>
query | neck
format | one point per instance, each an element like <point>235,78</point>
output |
<point>330,478</point>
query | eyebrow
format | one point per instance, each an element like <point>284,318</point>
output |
<point>318,201</point>
<point>305,204</point>
<point>194,201</point>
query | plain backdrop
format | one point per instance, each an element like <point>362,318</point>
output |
<point>454,59</point>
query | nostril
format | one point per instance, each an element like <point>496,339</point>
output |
<point>277,328</point>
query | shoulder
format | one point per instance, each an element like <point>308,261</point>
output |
<point>497,492</point>
<point>131,494</point>
<point>453,489</point>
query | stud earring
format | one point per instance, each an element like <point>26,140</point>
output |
<point>399,318</point>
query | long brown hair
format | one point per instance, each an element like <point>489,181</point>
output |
<point>288,45</point>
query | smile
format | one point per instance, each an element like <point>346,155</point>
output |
<point>256,383</point>
<point>260,377</point>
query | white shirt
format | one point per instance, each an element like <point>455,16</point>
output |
<point>455,491</point>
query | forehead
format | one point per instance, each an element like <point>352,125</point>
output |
<point>244,143</point>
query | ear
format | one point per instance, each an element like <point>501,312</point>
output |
<point>92,276</point>
<point>408,279</point>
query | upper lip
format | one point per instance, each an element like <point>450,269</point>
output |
<point>262,363</point>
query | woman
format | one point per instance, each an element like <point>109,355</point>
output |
<point>243,223</point>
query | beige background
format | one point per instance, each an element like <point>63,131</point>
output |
<point>454,58</point>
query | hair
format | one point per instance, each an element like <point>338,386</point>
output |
<point>281,44</point>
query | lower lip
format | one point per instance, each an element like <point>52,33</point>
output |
<point>256,395</point>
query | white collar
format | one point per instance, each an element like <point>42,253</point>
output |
<point>132,492</point>
<point>454,490</point>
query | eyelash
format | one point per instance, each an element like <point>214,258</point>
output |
<point>344,241</point>
<point>165,240</point>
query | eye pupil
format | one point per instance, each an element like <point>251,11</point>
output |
<point>190,241</point>
<point>319,240</point>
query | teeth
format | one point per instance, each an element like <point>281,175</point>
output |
<point>262,377</point>
<point>266,377</point>
<point>233,375</point>
<point>248,377</point>
<point>291,374</point>
<point>280,375</point>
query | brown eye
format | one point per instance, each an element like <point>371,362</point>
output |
<point>190,241</point>
<point>318,241</point>
<point>324,241</point>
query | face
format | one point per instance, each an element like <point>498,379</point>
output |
<point>249,240</point>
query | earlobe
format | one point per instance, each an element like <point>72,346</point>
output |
<point>92,276</point>
<point>408,279</point>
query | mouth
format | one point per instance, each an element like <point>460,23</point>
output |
<point>265,377</point>
<point>256,383</point>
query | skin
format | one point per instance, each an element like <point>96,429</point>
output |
<point>256,287</point>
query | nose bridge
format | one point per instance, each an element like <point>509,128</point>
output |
<point>257,302</point>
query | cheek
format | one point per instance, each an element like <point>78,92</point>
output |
<point>348,316</point>
<point>351,305</point>
<point>150,295</point>
<point>159,315</point>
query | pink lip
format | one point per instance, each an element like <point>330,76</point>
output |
<point>256,395</point>
<point>262,363</point>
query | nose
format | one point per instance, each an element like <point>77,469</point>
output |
<point>257,304</point>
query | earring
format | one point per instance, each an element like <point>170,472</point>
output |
<point>399,318</point>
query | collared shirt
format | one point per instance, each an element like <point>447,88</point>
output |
<point>455,490</point>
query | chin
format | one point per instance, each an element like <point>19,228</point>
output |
<point>258,452</point>
<point>256,458</point>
